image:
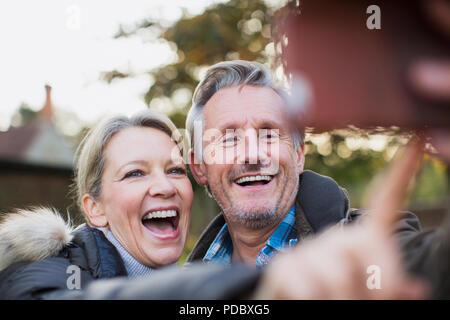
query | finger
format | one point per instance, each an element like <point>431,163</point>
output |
<point>299,102</point>
<point>440,139</point>
<point>432,79</point>
<point>388,192</point>
<point>412,289</point>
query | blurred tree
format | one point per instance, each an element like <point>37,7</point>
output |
<point>237,29</point>
<point>23,115</point>
<point>353,157</point>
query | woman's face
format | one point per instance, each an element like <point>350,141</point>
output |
<point>146,195</point>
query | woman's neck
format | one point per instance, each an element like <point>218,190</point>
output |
<point>134,268</point>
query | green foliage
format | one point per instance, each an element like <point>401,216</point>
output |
<point>238,29</point>
<point>353,160</point>
<point>23,115</point>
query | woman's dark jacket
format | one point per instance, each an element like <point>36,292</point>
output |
<point>98,259</point>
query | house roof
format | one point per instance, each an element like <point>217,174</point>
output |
<point>37,142</point>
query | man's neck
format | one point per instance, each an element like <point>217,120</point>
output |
<point>247,243</point>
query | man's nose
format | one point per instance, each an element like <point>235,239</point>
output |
<point>161,186</point>
<point>251,147</point>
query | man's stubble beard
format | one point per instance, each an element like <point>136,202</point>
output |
<point>257,219</point>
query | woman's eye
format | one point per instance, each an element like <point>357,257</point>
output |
<point>133,174</point>
<point>179,170</point>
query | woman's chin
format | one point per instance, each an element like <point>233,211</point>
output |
<point>164,257</point>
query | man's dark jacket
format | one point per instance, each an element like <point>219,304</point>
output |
<point>321,203</point>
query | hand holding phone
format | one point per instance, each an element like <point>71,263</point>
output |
<point>352,74</point>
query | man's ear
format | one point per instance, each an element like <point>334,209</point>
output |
<point>198,169</point>
<point>94,211</point>
<point>301,157</point>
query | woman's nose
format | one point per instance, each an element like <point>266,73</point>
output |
<point>161,186</point>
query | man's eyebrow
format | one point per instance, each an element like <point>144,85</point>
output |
<point>228,126</point>
<point>269,125</point>
<point>263,124</point>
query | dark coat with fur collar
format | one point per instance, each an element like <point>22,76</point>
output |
<point>103,276</point>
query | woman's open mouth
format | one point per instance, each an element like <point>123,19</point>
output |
<point>163,224</point>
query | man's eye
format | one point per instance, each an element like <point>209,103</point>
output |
<point>270,135</point>
<point>133,174</point>
<point>230,140</point>
<point>178,170</point>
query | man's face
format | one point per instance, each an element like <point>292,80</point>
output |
<point>249,159</point>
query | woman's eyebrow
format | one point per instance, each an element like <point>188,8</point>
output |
<point>172,162</point>
<point>140,162</point>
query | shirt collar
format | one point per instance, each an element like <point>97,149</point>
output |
<point>221,248</point>
<point>284,236</point>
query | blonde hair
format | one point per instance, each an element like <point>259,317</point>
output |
<point>90,160</point>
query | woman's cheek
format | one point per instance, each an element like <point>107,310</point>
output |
<point>189,193</point>
<point>127,198</point>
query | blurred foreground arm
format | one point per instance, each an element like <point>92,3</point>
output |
<point>432,79</point>
<point>361,261</point>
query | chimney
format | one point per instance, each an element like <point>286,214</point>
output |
<point>47,111</point>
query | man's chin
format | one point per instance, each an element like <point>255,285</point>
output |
<point>252,207</point>
<point>254,217</point>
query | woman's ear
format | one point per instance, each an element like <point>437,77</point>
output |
<point>94,211</point>
<point>198,169</point>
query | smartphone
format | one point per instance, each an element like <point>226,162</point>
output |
<point>356,57</point>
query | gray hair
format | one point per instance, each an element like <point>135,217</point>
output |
<point>90,159</point>
<point>228,74</point>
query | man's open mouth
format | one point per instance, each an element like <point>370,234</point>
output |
<point>162,222</point>
<point>255,180</point>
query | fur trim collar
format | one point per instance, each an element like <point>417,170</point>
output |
<point>32,235</point>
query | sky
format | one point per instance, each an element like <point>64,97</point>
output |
<point>68,43</point>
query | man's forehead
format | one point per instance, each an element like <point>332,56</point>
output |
<point>236,106</point>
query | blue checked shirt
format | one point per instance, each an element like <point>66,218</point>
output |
<point>282,238</point>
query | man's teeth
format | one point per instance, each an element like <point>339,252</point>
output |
<point>253,178</point>
<point>161,214</point>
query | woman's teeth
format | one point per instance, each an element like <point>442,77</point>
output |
<point>253,178</point>
<point>161,214</point>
